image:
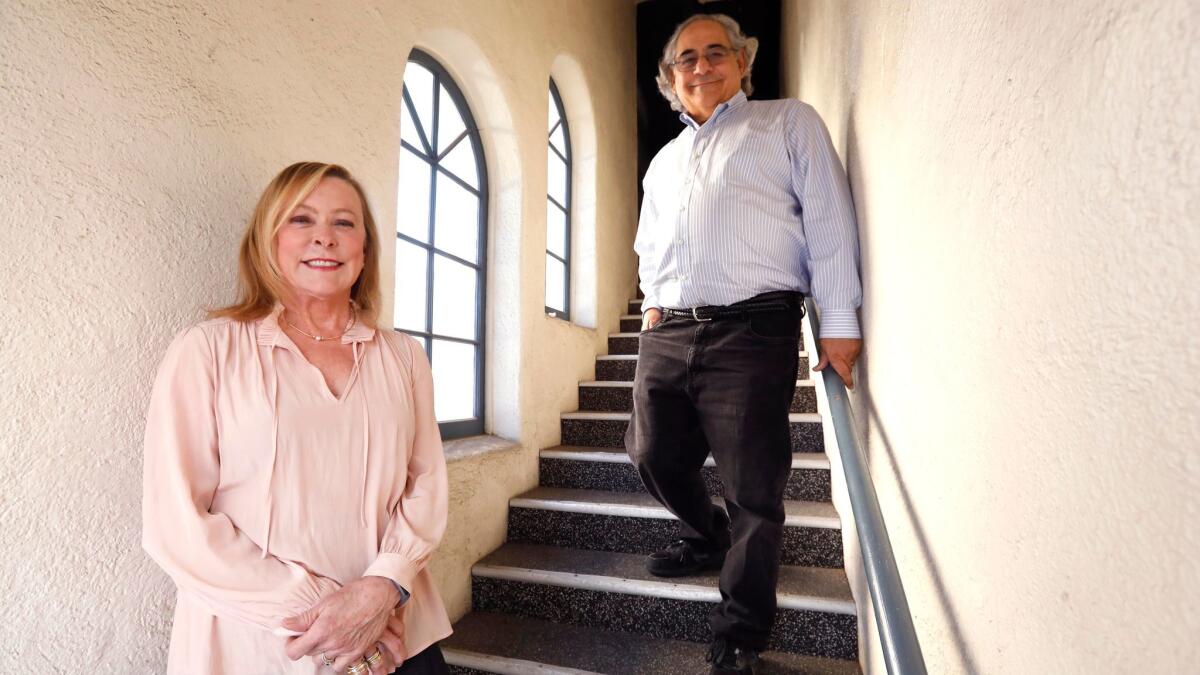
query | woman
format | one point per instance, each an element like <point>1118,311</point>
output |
<point>294,479</point>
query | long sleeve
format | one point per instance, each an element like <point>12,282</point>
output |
<point>643,245</point>
<point>204,552</point>
<point>419,521</point>
<point>830,228</point>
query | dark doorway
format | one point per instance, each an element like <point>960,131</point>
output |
<point>656,20</point>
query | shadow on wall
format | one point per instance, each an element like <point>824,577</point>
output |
<point>863,402</point>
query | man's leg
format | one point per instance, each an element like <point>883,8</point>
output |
<point>664,441</point>
<point>744,383</point>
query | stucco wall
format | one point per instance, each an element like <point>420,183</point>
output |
<point>1025,177</point>
<point>136,137</point>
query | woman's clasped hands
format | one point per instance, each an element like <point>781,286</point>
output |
<point>349,626</point>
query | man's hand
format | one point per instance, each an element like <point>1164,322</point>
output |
<point>841,353</point>
<point>344,625</point>
<point>650,318</point>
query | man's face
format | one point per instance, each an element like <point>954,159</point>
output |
<point>707,85</point>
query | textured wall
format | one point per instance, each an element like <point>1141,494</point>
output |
<point>137,135</point>
<point>1025,175</point>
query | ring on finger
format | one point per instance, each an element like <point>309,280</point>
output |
<point>326,660</point>
<point>375,658</point>
<point>359,667</point>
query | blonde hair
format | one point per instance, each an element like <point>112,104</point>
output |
<point>260,283</point>
<point>738,42</point>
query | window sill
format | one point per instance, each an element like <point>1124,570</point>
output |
<point>472,446</point>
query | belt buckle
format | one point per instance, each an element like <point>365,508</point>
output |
<point>696,315</point>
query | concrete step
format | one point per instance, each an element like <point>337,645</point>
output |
<point>613,591</point>
<point>607,430</point>
<point>621,367</point>
<point>610,469</point>
<point>633,522</point>
<point>635,307</point>
<point>615,396</point>
<point>484,642</point>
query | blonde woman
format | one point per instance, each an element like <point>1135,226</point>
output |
<point>295,485</point>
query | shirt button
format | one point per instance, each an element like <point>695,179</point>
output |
<point>679,241</point>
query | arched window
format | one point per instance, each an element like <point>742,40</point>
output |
<point>558,211</point>
<point>441,240</point>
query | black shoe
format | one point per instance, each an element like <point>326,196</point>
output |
<point>681,559</point>
<point>729,659</point>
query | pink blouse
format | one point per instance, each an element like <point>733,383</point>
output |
<point>263,491</point>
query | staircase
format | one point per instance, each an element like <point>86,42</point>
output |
<point>569,592</point>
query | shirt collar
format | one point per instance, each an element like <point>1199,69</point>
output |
<point>738,99</point>
<point>269,331</point>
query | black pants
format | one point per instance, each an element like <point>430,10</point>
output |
<point>428,662</point>
<point>723,386</point>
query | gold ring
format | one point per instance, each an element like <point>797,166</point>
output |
<point>326,660</point>
<point>360,667</point>
<point>375,659</point>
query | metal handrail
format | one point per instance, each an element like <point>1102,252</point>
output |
<point>901,650</point>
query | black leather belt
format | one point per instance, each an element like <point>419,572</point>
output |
<point>777,301</point>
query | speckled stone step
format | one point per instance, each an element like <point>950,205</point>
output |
<point>633,522</point>
<point>616,367</point>
<point>635,307</point>
<point>617,396</point>
<point>609,469</point>
<point>484,642</point>
<point>613,591</point>
<point>607,430</point>
<point>621,367</point>
<point>622,343</point>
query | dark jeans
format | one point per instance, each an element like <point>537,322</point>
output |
<point>428,662</point>
<point>723,386</point>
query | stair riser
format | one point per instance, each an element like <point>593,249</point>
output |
<point>807,546</point>
<point>620,399</point>
<point>623,371</point>
<point>622,345</point>
<point>810,485</point>
<point>635,307</point>
<point>631,325</point>
<point>806,436</point>
<point>797,631</point>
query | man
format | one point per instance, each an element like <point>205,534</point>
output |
<point>745,212</point>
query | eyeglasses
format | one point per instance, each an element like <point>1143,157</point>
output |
<point>714,55</point>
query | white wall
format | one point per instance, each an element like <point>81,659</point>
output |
<point>1025,176</point>
<point>136,138</point>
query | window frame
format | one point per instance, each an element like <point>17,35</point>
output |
<point>565,312</point>
<point>472,426</point>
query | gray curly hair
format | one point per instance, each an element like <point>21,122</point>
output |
<point>738,41</point>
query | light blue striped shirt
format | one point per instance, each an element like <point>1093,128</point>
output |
<point>754,200</point>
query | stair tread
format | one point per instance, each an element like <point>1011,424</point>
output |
<point>519,644</point>
<point>586,453</point>
<point>816,589</point>
<point>641,504</point>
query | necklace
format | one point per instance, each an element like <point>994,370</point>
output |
<point>318,338</point>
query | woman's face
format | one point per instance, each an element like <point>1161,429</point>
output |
<point>320,247</point>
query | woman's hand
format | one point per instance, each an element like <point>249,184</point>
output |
<point>392,641</point>
<point>344,625</point>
